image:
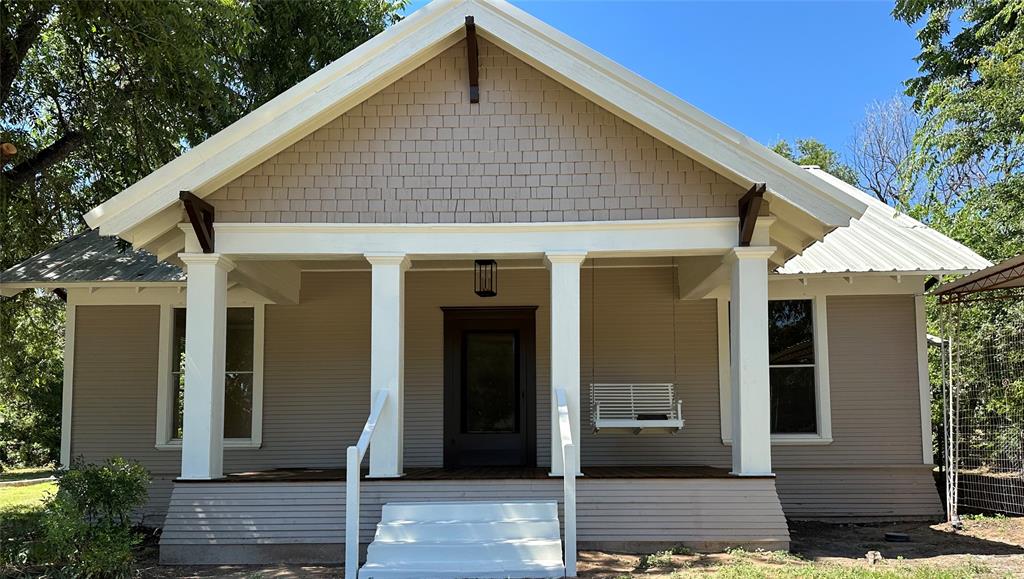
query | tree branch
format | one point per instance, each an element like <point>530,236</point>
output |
<point>44,159</point>
<point>15,49</point>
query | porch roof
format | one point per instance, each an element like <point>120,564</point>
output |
<point>85,258</point>
<point>882,240</point>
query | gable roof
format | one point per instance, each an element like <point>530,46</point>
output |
<point>882,240</point>
<point>148,211</point>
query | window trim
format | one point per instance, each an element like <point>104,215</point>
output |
<point>165,389</point>
<point>822,391</point>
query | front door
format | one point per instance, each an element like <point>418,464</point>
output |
<point>489,393</point>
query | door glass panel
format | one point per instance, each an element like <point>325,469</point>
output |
<point>490,385</point>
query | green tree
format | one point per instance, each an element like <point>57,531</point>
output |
<point>970,95</point>
<point>814,152</point>
<point>96,94</point>
<point>970,100</point>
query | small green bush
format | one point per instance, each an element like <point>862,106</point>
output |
<point>87,526</point>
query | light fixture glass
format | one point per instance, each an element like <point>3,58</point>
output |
<point>486,278</point>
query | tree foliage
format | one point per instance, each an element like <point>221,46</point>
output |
<point>96,94</point>
<point>814,152</point>
<point>970,95</point>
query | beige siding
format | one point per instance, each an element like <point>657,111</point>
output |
<point>531,150</point>
<point>426,293</point>
<point>701,513</point>
<point>630,312</point>
<point>317,376</point>
<point>859,493</point>
<point>876,408</point>
<point>114,395</point>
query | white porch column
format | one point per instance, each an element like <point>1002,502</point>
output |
<point>202,445</point>
<point>387,360</point>
<point>565,347</point>
<point>748,328</point>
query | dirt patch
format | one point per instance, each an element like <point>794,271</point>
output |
<point>991,547</point>
<point>987,547</point>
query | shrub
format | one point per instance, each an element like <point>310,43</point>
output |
<point>87,526</point>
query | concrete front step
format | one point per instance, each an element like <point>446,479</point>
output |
<point>440,550</point>
<point>492,570</point>
<point>462,532</point>
<point>468,511</point>
<point>459,540</point>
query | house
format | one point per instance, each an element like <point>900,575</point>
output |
<point>469,257</point>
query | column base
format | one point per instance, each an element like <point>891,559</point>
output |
<point>384,476</point>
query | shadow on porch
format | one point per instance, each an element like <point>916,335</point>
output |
<point>477,473</point>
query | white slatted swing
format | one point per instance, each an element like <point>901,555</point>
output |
<point>634,406</point>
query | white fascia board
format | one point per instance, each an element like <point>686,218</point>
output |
<point>608,238</point>
<point>398,50</point>
<point>298,111</point>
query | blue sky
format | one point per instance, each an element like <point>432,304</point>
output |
<point>770,69</point>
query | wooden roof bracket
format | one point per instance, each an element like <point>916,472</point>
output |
<point>473,58</point>
<point>749,207</point>
<point>200,215</point>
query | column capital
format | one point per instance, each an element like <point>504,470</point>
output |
<point>755,252</point>
<point>399,259</point>
<point>216,259</point>
<point>571,257</point>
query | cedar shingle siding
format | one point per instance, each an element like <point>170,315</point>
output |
<point>532,150</point>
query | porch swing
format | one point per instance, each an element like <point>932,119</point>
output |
<point>633,406</point>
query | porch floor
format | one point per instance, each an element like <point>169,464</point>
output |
<point>479,473</point>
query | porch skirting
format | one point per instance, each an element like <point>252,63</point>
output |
<point>261,522</point>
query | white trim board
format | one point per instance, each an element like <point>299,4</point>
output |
<point>67,393</point>
<point>399,49</point>
<point>924,379</point>
<point>707,236</point>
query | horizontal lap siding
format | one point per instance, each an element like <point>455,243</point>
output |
<point>426,293</point>
<point>663,511</point>
<point>859,493</point>
<point>316,375</point>
<point>676,511</point>
<point>628,336</point>
<point>531,150</point>
<point>114,394</point>
<point>876,408</point>
<point>316,387</point>
<point>873,467</point>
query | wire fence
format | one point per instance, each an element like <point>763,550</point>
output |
<point>984,420</point>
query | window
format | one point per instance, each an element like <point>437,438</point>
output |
<point>791,366</point>
<point>800,401</point>
<point>242,378</point>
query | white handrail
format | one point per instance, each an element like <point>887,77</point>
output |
<point>354,458</point>
<point>568,481</point>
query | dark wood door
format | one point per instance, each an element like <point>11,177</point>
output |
<point>489,387</point>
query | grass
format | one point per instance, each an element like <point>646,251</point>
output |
<point>746,569</point>
<point>750,570</point>
<point>25,496</point>
<point>21,509</point>
<point>14,474</point>
<point>742,564</point>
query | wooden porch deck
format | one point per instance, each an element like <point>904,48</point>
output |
<point>479,473</point>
